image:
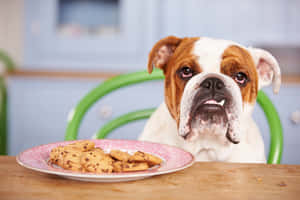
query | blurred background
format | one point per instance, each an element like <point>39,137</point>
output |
<point>61,49</point>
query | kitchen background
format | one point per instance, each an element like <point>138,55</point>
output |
<point>64,48</point>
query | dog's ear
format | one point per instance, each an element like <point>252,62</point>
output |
<point>162,52</point>
<point>267,69</point>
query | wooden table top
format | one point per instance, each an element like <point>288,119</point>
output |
<point>201,181</point>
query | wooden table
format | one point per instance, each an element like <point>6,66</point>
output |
<point>201,181</point>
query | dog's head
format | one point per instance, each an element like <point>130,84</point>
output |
<point>211,84</point>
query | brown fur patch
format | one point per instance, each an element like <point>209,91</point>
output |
<point>174,85</point>
<point>236,59</point>
<point>171,43</point>
<point>180,55</point>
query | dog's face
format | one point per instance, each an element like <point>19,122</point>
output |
<point>210,84</point>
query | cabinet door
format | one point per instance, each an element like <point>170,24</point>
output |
<point>119,43</point>
<point>286,102</point>
<point>38,109</point>
<point>249,22</point>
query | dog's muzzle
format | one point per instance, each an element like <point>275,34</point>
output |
<point>212,108</point>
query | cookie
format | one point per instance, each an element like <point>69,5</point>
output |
<point>130,167</point>
<point>98,149</point>
<point>84,145</point>
<point>96,161</point>
<point>118,166</point>
<point>72,159</point>
<point>145,157</point>
<point>57,155</point>
<point>120,155</point>
<point>54,155</point>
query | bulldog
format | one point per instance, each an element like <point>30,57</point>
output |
<point>211,87</point>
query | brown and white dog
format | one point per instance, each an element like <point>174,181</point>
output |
<point>211,87</point>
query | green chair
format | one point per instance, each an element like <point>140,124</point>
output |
<point>76,115</point>
<point>9,66</point>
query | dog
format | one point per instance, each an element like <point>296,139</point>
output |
<point>211,87</point>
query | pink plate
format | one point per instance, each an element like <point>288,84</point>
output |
<point>174,159</point>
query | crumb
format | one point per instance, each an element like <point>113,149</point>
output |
<point>259,179</point>
<point>282,184</point>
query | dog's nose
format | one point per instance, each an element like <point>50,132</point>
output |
<point>212,84</point>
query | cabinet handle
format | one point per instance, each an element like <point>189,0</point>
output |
<point>295,117</point>
<point>105,112</point>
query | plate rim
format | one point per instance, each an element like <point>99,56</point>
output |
<point>105,176</point>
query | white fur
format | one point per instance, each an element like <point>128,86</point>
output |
<point>161,128</point>
<point>210,51</point>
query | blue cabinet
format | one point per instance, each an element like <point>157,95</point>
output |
<point>58,36</point>
<point>249,22</point>
<point>286,102</point>
<point>117,35</point>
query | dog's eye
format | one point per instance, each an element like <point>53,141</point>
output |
<point>185,72</point>
<point>241,78</point>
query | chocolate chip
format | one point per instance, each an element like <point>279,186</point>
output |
<point>87,159</point>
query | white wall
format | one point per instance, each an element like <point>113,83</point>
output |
<point>11,28</point>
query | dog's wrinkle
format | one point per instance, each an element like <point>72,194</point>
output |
<point>211,114</point>
<point>229,137</point>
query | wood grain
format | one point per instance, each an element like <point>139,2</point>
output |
<point>201,181</point>
<point>291,79</point>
